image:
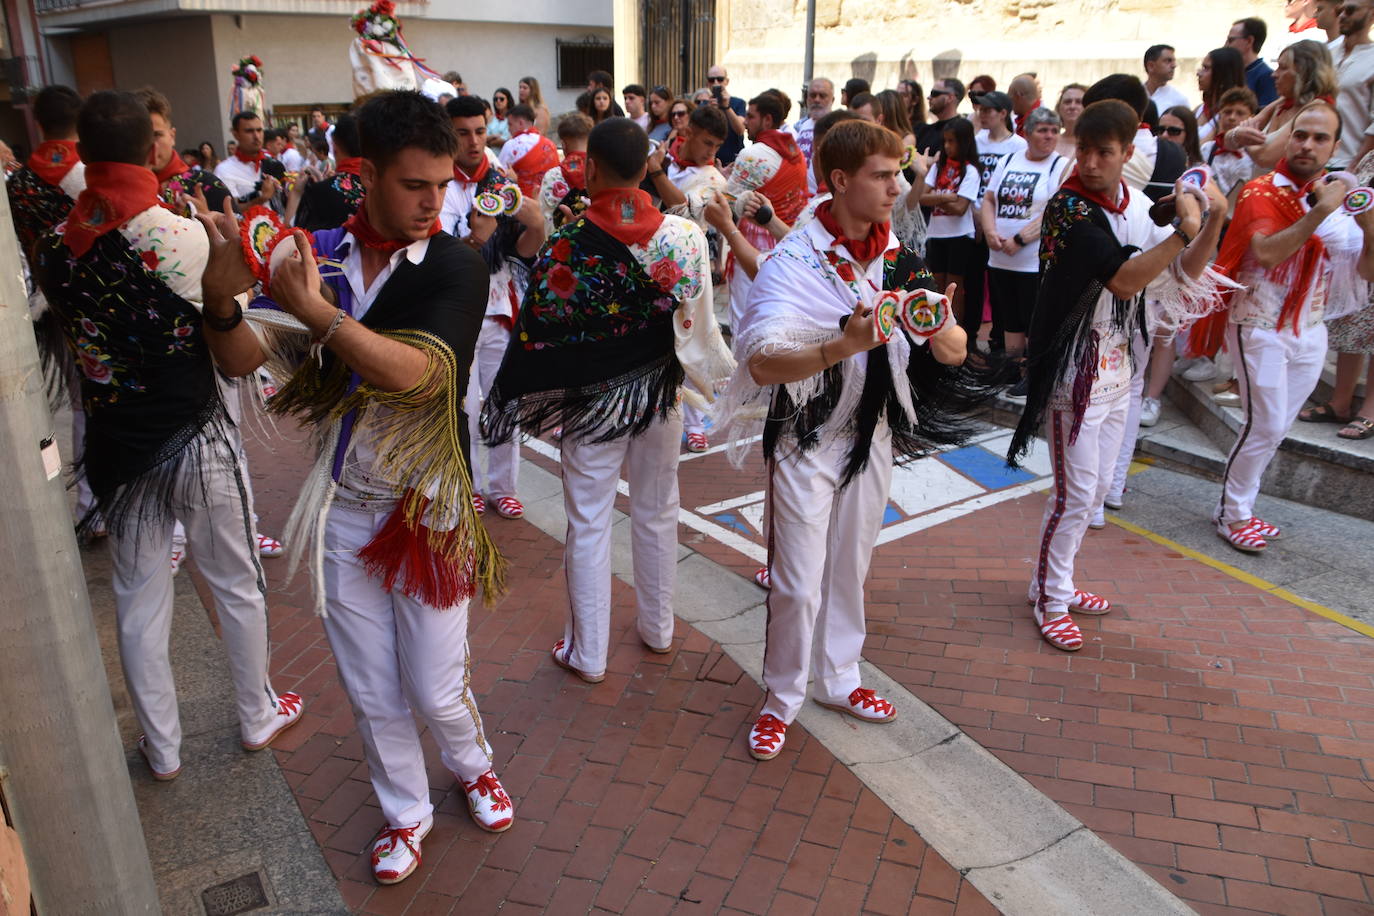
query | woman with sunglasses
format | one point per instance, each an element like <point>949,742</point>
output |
<point>678,113</point>
<point>498,130</point>
<point>1177,125</point>
<point>660,120</point>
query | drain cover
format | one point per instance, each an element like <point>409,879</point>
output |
<point>238,896</point>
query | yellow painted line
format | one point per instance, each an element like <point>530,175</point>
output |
<point>1249,579</point>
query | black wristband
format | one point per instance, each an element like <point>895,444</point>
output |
<point>1178,231</point>
<point>1018,240</point>
<point>223,325</point>
<point>655,173</point>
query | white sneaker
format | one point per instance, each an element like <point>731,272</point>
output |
<point>488,803</point>
<point>1149,411</point>
<point>1099,519</point>
<point>289,709</point>
<point>1115,501</point>
<point>1201,371</point>
<point>396,851</point>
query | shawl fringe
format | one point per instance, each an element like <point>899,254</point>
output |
<point>623,406</point>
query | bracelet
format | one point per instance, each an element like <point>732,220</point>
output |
<point>223,325</point>
<point>655,173</point>
<point>1178,231</point>
<point>317,346</point>
<point>825,360</point>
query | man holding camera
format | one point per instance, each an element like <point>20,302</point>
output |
<point>719,82</point>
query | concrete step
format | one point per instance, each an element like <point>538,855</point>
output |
<point>1328,382</point>
<point>1313,464</point>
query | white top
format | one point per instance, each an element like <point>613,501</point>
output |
<point>1206,128</point>
<point>453,219</point>
<point>1136,173</point>
<point>1021,187</point>
<point>516,147</point>
<point>291,159</point>
<point>944,226</point>
<point>991,152</point>
<point>238,176</point>
<point>1354,99</point>
<point>181,246</point>
<point>697,183</point>
<point>1166,97</point>
<point>1231,170</point>
<point>803,131</point>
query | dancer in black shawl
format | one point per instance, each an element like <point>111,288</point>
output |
<point>618,310</point>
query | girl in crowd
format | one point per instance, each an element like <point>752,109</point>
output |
<point>601,105</point>
<point>1221,69</point>
<point>529,94</point>
<point>660,106</point>
<point>208,158</point>
<point>951,190</point>
<point>498,131</point>
<point>1177,125</point>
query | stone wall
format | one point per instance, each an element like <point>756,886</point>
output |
<point>1063,41</point>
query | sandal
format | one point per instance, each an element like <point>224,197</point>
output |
<point>479,504</point>
<point>1060,632</point>
<point>697,442</point>
<point>1358,428</point>
<point>1246,539</point>
<point>1088,603</point>
<point>1322,413</point>
<point>762,578</point>
<point>509,507</point>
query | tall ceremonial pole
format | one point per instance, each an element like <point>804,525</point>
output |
<point>63,776</point>
<point>809,62</point>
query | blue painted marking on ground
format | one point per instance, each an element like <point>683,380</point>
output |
<point>985,468</point>
<point>892,514</point>
<point>731,520</point>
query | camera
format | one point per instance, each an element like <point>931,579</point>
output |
<point>717,92</point>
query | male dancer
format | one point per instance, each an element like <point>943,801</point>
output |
<point>1092,298</point>
<point>505,242</point>
<point>175,178</point>
<point>774,166</point>
<point>566,186</point>
<point>122,274</point>
<point>841,406</point>
<point>686,186</point>
<point>328,203</point>
<point>1297,261</point>
<point>618,310</point>
<point>252,177</point>
<point>392,331</point>
<point>528,153</point>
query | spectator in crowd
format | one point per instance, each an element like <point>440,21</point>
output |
<point>945,97</point>
<point>718,90</point>
<point>853,87</point>
<point>498,130</point>
<point>1160,65</point>
<point>1353,56</point>
<point>636,109</point>
<point>1069,108</point>
<point>1178,125</point>
<point>820,98</point>
<point>1247,37</point>
<point>527,93</point>
<point>660,101</point>
<point>1221,70</point>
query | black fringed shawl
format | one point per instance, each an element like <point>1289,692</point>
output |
<point>946,398</point>
<point>147,381</point>
<point>1079,255</point>
<point>592,349</point>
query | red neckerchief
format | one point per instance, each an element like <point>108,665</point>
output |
<point>574,168</point>
<point>783,144</point>
<point>115,193</point>
<point>362,230</point>
<point>628,214</point>
<point>174,167</point>
<point>53,159</point>
<point>527,130</point>
<point>350,165</point>
<point>1302,25</point>
<point>255,159</point>
<point>1075,184</point>
<point>950,176</point>
<point>464,178</point>
<point>1221,149</point>
<point>673,153</point>
<point>1021,119</point>
<point>863,250</point>
<point>1143,126</point>
<point>1284,169</point>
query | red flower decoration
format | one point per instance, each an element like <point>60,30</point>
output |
<point>562,250</point>
<point>846,271</point>
<point>150,260</point>
<point>561,281</point>
<point>665,272</point>
<point>384,7</point>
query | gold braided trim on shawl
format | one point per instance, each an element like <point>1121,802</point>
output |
<point>418,442</point>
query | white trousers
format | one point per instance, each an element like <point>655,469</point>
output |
<point>1082,472</point>
<point>219,532</point>
<point>590,473</point>
<point>693,418</point>
<point>496,476</point>
<point>1276,372</point>
<point>398,657</point>
<point>821,541</point>
<point>1140,347</point>
<point>740,285</point>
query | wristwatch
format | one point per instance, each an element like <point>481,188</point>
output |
<point>1018,240</point>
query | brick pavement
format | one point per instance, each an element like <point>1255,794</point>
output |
<point>1218,736</point>
<point>635,795</point>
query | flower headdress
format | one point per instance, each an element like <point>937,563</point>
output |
<point>249,69</point>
